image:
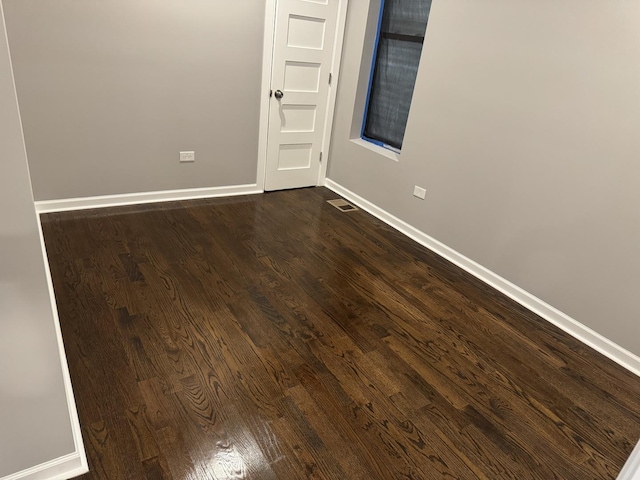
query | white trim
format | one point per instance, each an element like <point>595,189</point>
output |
<point>48,206</point>
<point>574,328</point>
<point>267,64</point>
<point>631,469</point>
<point>333,89</point>
<point>62,468</point>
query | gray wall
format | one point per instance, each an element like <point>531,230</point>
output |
<point>34,417</point>
<point>524,130</point>
<point>111,91</point>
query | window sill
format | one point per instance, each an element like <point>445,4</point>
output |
<point>377,149</point>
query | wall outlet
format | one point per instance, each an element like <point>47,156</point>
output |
<point>419,192</point>
<point>187,156</point>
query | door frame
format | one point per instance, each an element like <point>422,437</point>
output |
<point>265,87</point>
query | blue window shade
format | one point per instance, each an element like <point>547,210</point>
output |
<point>397,56</point>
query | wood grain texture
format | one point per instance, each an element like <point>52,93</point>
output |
<point>275,337</point>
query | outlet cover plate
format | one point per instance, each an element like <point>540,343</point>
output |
<point>187,156</point>
<point>419,192</point>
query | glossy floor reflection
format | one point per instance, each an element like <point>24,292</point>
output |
<point>275,337</point>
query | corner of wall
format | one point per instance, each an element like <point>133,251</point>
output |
<point>75,463</point>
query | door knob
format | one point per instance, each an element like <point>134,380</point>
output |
<point>279,94</point>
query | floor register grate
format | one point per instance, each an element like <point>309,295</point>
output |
<point>342,205</point>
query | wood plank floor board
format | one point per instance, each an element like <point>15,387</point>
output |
<point>275,337</point>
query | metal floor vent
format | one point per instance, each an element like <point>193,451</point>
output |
<point>342,205</point>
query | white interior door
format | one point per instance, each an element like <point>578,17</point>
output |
<point>305,32</point>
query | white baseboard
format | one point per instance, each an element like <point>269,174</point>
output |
<point>48,206</point>
<point>574,328</point>
<point>631,468</point>
<point>61,468</point>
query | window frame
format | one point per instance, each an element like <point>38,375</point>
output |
<point>374,61</point>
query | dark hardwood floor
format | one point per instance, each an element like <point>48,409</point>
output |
<point>275,337</point>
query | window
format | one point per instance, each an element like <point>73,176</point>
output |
<point>401,30</point>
